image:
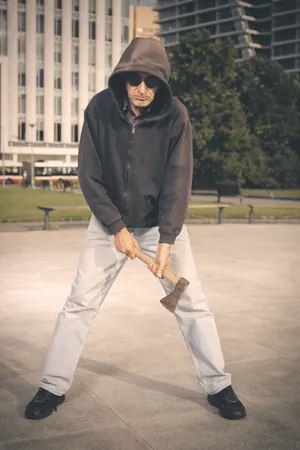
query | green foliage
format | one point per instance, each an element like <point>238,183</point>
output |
<point>245,118</point>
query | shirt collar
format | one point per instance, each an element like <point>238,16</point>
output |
<point>127,107</point>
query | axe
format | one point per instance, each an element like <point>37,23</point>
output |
<point>171,300</point>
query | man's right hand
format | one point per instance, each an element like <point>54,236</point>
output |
<point>125,242</point>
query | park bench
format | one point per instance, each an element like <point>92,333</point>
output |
<point>229,190</point>
<point>48,209</point>
<point>212,205</point>
<point>251,209</point>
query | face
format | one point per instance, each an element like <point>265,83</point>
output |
<point>141,88</point>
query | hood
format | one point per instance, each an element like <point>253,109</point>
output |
<point>144,55</point>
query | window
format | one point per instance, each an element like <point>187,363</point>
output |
<point>109,6</point>
<point>226,27</point>
<point>21,21</point>
<point>125,34</point>
<point>57,132</point>
<point>125,8</point>
<point>92,81</point>
<point>74,132</point>
<point>288,63</point>
<point>75,54</point>
<point>40,104</point>
<point>58,4</point>
<point>39,130</point>
<point>207,17</point>
<point>21,130</point>
<point>92,54</point>
<point>225,13</point>
<point>57,52</point>
<point>92,6</point>
<point>74,106</point>
<point>285,35</point>
<point>22,104</point>
<point>92,30</point>
<point>40,23</point>
<point>76,5</point>
<point>75,80</point>
<point>283,6</point>
<point>57,106</point>
<point>40,3</point>
<point>22,2</point>
<point>75,28</point>
<point>3,45</point>
<point>57,27</point>
<point>108,29</point>
<point>22,75</point>
<point>287,49</point>
<point>40,49</point>
<point>57,78</point>
<point>282,21</point>
<point>40,78</point>
<point>108,58</point>
<point>22,47</point>
<point>3,19</point>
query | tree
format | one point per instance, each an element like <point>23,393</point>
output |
<point>271,101</point>
<point>204,79</point>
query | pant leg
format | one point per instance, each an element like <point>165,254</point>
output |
<point>98,267</point>
<point>195,320</point>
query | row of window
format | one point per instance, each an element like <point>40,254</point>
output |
<point>57,78</point>
<point>40,105</point>
<point>40,131</point>
<point>58,5</point>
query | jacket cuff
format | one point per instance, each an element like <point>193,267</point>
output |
<point>167,238</point>
<point>116,226</point>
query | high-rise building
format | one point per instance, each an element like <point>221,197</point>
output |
<point>263,27</point>
<point>142,22</point>
<point>54,56</point>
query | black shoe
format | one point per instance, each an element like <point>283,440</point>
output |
<point>229,406</point>
<point>43,404</point>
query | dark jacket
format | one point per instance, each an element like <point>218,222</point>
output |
<point>137,176</point>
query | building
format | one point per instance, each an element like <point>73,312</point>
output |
<point>142,22</point>
<point>263,27</point>
<point>54,56</point>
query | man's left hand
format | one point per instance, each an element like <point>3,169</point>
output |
<point>162,260</point>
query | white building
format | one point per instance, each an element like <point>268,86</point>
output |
<point>54,56</point>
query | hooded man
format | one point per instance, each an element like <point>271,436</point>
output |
<point>135,171</point>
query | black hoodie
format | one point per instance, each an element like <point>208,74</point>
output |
<point>137,177</point>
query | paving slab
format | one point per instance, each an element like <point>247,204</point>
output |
<point>135,386</point>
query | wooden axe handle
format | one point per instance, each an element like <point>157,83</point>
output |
<point>167,274</point>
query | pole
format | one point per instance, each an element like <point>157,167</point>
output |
<point>31,157</point>
<point>3,159</point>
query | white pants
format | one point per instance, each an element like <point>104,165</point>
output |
<point>99,265</point>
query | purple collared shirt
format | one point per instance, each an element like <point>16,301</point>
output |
<point>130,115</point>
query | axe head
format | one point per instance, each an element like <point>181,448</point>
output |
<point>171,300</point>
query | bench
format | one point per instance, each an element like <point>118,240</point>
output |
<point>229,190</point>
<point>251,209</point>
<point>212,205</point>
<point>48,209</point>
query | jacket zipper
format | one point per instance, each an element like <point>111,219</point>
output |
<point>128,166</point>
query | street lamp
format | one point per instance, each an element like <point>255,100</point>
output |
<point>32,125</point>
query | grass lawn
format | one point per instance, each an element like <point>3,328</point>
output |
<point>272,193</point>
<point>20,205</point>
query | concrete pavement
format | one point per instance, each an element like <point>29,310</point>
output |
<point>135,386</point>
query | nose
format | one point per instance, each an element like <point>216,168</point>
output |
<point>142,87</point>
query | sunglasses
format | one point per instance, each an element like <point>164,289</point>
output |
<point>135,79</point>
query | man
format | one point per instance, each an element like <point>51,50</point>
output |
<point>135,171</point>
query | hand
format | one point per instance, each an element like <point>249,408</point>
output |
<point>125,243</point>
<point>162,260</point>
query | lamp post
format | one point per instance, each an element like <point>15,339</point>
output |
<point>32,125</point>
